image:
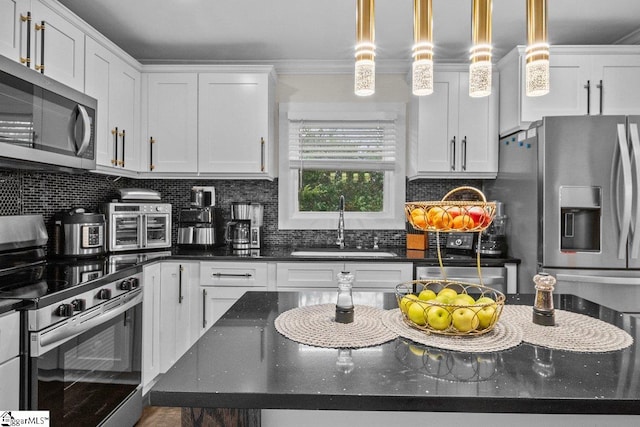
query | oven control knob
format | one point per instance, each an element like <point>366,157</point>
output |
<point>457,242</point>
<point>125,285</point>
<point>64,310</point>
<point>104,294</point>
<point>79,304</point>
<point>129,284</point>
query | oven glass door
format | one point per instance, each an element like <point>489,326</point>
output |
<point>125,231</point>
<point>84,379</point>
<point>158,231</point>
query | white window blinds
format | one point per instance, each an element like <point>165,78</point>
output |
<point>342,144</point>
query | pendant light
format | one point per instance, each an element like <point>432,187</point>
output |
<point>480,67</point>
<point>365,70</point>
<point>422,68</point>
<point>537,51</point>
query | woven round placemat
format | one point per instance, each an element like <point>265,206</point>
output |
<point>572,332</point>
<point>315,325</point>
<point>503,336</point>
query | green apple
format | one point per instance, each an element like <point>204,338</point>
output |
<point>438,318</point>
<point>463,299</point>
<point>448,292</point>
<point>406,301</point>
<point>486,312</point>
<point>427,295</point>
<point>464,319</point>
<point>417,314</point>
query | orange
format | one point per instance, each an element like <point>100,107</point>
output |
<point>433,212</point>
<point>440,219</point>
<point>454,211</point>
<point>463,222</point>
<point>419,218</point>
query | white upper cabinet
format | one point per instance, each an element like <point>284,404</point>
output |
<point>455,135</point>
<point>235,123</point>
<point>583,80</point>
<point>13,29</point>
<point>116,86</point>
<point>213,122</point>
<point>57,46</point>
<point>37,34</point>
<point>172,123</point>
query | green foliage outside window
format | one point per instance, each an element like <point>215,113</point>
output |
<point>320,190</point>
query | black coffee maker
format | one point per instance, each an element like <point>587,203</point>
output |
<point>493,240</point>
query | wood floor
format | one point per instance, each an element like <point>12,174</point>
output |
<point>159,416</point>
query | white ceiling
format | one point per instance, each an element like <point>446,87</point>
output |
<point>324,30</point>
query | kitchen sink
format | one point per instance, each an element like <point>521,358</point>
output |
<point>343,253</point>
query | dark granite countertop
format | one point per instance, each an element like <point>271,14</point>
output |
<point>283,253</point>
<point>7,305</point>
<point>243,362</point>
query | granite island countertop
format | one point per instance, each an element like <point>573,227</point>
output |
<point>243,362</point>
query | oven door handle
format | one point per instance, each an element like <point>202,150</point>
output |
<point>54,336</point>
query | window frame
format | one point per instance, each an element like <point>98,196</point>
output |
<point>392,215</point>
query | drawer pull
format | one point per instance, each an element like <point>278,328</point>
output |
<point>232,275</point>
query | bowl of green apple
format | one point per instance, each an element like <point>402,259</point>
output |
<point>449,307</point>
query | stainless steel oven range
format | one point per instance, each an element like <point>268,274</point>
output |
<point>82,330</point>
<point>137,226</point>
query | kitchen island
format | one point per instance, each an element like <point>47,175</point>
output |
<point>244,363</point>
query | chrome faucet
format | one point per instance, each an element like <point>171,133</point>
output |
<point>340,239</point>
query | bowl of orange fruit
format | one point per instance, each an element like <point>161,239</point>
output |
<point>452,215</point>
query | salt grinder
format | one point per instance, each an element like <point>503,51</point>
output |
<point>344,304</point>
<point>543,312</point>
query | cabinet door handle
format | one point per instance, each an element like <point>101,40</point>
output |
<point>41,28</point>
<point>464,153</point>
<point>600,86</point>
<point>232,275</point>
<point>123,134</point>
<point>180,297</point>
<point>453,154</point>
<point>204,308</point>
<point>114,161</point>
<point>261,154</point>
<point>588,88</point>
<point>27,60</point>
<point>151,142</point>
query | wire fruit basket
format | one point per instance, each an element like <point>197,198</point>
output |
<point>452,215</point>
<point>449,307</point>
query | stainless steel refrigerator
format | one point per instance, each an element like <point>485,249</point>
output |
<point>571,190</point>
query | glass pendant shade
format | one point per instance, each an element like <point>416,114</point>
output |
<point>422,68</point>
<point>537,51</point>
<point>480,68</point>
<point>365,67</point>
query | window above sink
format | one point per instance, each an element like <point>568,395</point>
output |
<point>336,148</point>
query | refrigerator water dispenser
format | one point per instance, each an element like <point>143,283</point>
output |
<point>580,219</point>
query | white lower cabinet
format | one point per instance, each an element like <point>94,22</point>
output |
<point>150,325</point>
<point>321,276</point>
<point>10,360</point>
<point>222,284</point>
<point>178,281</point>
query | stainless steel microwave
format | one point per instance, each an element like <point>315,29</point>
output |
<point>43,122</point>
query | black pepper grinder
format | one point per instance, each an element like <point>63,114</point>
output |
<point>543,311</point>
<point>344,304</point>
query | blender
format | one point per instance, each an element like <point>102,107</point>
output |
<point>493,240</point>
